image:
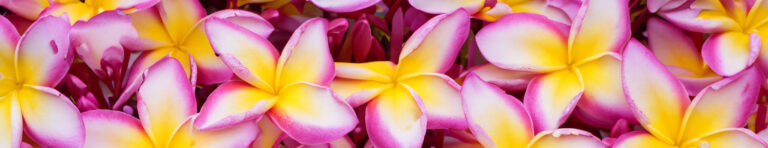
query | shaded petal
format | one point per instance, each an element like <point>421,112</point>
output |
<point>447,6</point>
<point>724,104</point>
<point>701,20</point>
<point>124,5</point>
<point>233,103</point>
<point>151,31</point>
<point>250,56</point>
<point>441,97</point>
<point>566,137</point>
<point>396,118</point>
<point>505,79</point>
<point>495,118</point>
<point>43,55</point>
<point>9,37</point>
<point>511,36</point>
<point>551,98</point>
<point>602,26</point>
<point>91,42</point>
<point>657,99</point>
<point>312,114</point>
<point>165,99</point>
<point>380,71</point>
<point>133,77</point>
<point>28,9</point>
<point>240,135</point>
<point>730,52</point>
<point>107,128</point>
<point>343,6</point>
<point>50,119</point>
<point>269,134</point>
<point>640,139</point>
<point>357,92</point>
<point>603,98</point>
<point>434,46</point>
<point>672,46</point>
<point>75,10</point>
<point>728,137</point>
<point>306,57</point>
<point>10,121</point>
<point>180,16</point>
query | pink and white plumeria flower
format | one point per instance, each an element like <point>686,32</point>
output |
<point>500,120</point>
<point>167,109</point>
<point>290,88</point>
<point>406,99</point>
<point>576,64</point>
<point>715,117</point>
<point>30,66</point>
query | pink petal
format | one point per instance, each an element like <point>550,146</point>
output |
<point>505,79</point>
<point>312,114</point>
<point>724,104</point>
<point>306,57</point>
<point>510,36</point>
<point>730,52</point>
<point>657,99</point>
<point>600,27</point>
<point>441,97</point>
<point>551,98</point>
<point>240,135</point>
<point>566,137</point>
<point>342,5</point>
<point>434,46</point>
<point>91,43</point>
<point>107,128</point>
<point>494,116</point>
<point>165,99</point>
<point>396,118</point>
<point>43,56</point>
<point>50,119</point>
<point>11,121</point>
<point>249,56</point>
<point>28,9</point>
<point>729,137</point>
<point>233,103</point>
<point>180,16</point>
<point>603,100</point>
<point>438,6</point>
<point>639,139</point>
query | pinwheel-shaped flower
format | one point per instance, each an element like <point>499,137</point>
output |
<point>291,89</point>
<point>30,66</point>
<point>174,28</point>
<point>166,108</point>
<point>85,9</point>
<point>581,67</point>
<point>402,97</point>
<point>714,119</point>
<point>677,51</point>
<point>739,31</point>
<point>500,120</point>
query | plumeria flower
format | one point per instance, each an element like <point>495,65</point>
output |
<point>166,108</point>
<point>558,10</point>
<point>661,104</point>
<point>580,65</point>
<point>738,31</point>
<point>677,51</point>
<point>174,28</point>
<point>500,120</point>
<point>29,9</point>
<point>402,97</point>
<point>85,9</point>
<point>290,88</point>
<point>30,66</point>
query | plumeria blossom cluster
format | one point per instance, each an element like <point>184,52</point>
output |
<point>383,73</point>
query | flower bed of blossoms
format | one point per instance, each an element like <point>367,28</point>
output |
<point>383,73</point>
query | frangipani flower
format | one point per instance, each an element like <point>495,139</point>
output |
<point>29,9</point>
<point>402,97</point>
<point>30,66</point>
<point>174,28</point>
<point>291,89</point>
<point>500,120</point>
<point>85,9</point>
<point>580,65</point>
<point>551,8</point>
<point>677,51</point>
<point>660,103</point>
<point>166,108</point>
<point>739,33</point>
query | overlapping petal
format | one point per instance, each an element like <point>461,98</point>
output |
<point>43,54</point>
<point>730,52</point>
<point>11,123</point>
<point>436,6</point>
<point>604,26</point>
<point>565,138</point>
<point>233,103</point>
<point>657,99</point>
<point>50,119</point>
<point>343,6</point>
<point>180,16</point>
<point>93,45</point>
<point>509,36</point>
<point>106,128</point>
<point>505,79</point>
<point>434,46</point>
<point>495,118</point>
<point>240,135</point>
<point>396,118</point>
<point>729,137</point>
<point>639,139</point>
<point>441,97</point>
<point>603,98</point>
<point>306,57</point>
<point>551,98</point>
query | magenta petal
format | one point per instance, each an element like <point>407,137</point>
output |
<point>91,43</point>
<point>43,56</point>
<point>50,119</point>
<point>343,5</point>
